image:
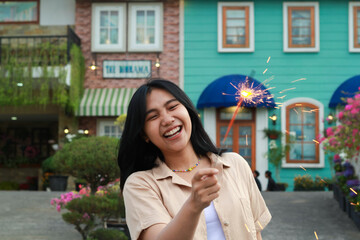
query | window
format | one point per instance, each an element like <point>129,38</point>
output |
<point>19,12</point>
<point>301,26</point>
<point>303,124</point>
<point>354,26</point>
<point>145,27</point>
<point>108,128</point>
<point>235,27</point>
<point>108,27</point>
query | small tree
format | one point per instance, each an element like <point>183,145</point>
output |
<point>93,159</point>
<point>275,155</point>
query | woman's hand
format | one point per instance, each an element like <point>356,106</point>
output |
<point>205,188</point>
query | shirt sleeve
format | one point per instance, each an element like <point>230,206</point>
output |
<point>143,205</point>
<point>259,209</point>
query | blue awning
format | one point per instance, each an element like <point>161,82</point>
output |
<point>224,92</point>
<point>346,90</point>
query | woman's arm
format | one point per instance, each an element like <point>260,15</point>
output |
<point>205,189</point>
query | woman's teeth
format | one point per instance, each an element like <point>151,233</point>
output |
<point>172,132</point>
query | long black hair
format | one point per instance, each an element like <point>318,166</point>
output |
<point>135,154</point>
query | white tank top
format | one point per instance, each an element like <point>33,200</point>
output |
<point>213,225</point>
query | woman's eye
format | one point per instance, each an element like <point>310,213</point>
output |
<point>173,106</point>
<point>152,117</point>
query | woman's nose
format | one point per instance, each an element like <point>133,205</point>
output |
<point>167,119</point>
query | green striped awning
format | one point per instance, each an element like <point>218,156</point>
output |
<point>105,101</point>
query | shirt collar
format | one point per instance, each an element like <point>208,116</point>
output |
<point>162,171</point>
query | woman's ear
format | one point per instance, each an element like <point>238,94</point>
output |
<point>146,139</point>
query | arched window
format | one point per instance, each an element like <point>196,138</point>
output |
<point>302,124</point>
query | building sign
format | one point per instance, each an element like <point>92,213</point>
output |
<point>126,69</point>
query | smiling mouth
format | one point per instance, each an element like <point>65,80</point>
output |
<point>173,132</point>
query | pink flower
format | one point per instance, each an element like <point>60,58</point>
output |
<point>329,131</point>
<point>348,107</point>
<point>354,111</point>
<point>341,115</point>
<point>354,132</point>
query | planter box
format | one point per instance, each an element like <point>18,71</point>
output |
<point>356,219</point>
<point>336,192</point>
<point>58,183</point>
<point>342,202</point>
<point>348,207</point>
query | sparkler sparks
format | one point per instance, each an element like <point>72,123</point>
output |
<point>316,235</point>
<point>300,79</point>
<point>353,191</point>
<point>247,93</point>
<point>247,228</point>
<point>268,59</point>
<point>303,168</point>
<point>315,141</point>
<point>265,71</point>
<point>287,90</point>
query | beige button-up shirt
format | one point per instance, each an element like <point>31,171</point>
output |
<point>155,196</point>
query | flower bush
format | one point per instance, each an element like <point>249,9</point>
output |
<point>88,211</point>
<point>307,183</point>
<point>345,137</point>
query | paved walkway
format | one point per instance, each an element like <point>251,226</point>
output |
<point>296,215</point>
<point>26,215</point>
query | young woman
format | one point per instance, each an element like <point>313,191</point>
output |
<point>176,184</point>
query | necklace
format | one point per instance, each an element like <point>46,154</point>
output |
<point>189,169</point>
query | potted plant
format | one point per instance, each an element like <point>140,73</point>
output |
<point>275,155</point>
<point>272,133</point>
<point>52,176</point>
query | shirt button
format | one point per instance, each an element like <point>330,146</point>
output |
<point>226,223</point>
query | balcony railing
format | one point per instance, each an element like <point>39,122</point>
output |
<point>39,48</point>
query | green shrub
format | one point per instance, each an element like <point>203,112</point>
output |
<point>307,183</point>
<point>93,159</point>
<point>86,212</point>
<point>108,234</point>
<point>8,185</point>
<point>48,165</point>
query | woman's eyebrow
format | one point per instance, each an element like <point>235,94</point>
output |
<point>165,104</point>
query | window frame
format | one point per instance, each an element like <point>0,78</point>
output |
<point>315,30</point>
<point>320,162</point>
<point>157,46</point>
<point>101,123</point>
<point>95,28</point>
<point>353,27</point>
<point>24,22</point>
<point>250,28</point>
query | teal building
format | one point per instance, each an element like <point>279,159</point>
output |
<point>301,56</point>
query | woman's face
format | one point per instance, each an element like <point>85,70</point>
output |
<point>167,122</point>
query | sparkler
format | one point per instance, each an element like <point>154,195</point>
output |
<point>248,94</point>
